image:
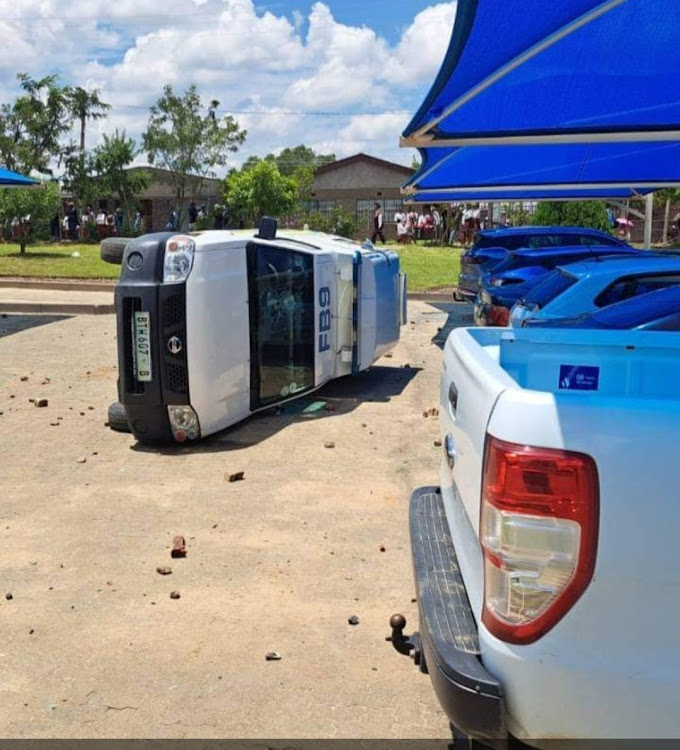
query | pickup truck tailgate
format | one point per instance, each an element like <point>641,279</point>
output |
<point>614,396</point>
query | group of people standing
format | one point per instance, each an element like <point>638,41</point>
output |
<point>412,225</point>
<point>446,226</point>
<point>89,225</point>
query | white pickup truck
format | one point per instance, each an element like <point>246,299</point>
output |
<point>215,326</point>
<point>545,561</point>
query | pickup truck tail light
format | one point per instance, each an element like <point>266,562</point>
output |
<point>538,530</point>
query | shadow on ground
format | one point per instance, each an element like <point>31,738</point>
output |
<point>459,314</point>
<point>340,396</point>
<point>10,324</point>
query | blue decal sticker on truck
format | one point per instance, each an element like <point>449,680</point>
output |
<point>579,378</point>
<point>324,318</point>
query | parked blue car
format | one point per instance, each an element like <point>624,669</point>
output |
<point>491,246</point>
<point>590,285</point>
<point>654,311</point>
<point>521,270</point>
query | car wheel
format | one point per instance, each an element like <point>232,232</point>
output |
<point>111,249</point>
<point>118,417</point>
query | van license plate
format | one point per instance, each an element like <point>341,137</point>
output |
<point>143,347</point>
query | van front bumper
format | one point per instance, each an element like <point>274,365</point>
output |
<point>470,696</point>
<point>141,289</point>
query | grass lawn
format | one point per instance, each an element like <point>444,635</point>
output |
<point>55,262</point>
<point>428,268</point>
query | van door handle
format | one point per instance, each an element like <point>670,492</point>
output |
<point>450,448</point>
<point>453,398</point>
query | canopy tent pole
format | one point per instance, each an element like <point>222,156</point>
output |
<point>649,216</point>
<point>628,209</point>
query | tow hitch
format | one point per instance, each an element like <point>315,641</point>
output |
<point>408,645</point>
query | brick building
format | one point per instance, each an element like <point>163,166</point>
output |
<point>355,184</point>
<point>157,201</point>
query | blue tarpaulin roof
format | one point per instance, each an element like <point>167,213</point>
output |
<point>596,169</point>
<point>551,70</point>
<point>498,194</point>
<point>12,179</point>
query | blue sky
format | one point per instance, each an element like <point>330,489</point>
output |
<point>341,76</point>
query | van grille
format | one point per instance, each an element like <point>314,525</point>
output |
<point>175,367</point>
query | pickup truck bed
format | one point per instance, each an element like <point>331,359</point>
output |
<point>607,665</point>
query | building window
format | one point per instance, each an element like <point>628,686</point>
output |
<point>389,206</point>
<point>325,208</point>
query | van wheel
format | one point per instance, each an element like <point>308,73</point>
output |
<point>111,249</point>
<point>118,417</point>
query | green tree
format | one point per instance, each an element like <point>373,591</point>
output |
<point>184,140</point>
<point>591,214</point>
<point>109,166</point>
<point>258,191</point>
<point>25,212</point>
<point>86,105</point>
<point>666,198</point>
<point>33,127</point>
<point>292,159</point>
<point>338,222</point>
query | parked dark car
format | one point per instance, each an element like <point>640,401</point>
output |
<point>521,270</point>
<point>492,245</point>
<point>654,311</point>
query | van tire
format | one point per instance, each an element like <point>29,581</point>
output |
<point>118,417</point>
<point>111,249</point>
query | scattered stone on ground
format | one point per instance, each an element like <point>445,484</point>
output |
<point>164,570</point>
<point>437,443</point>
<point>55,424</point>
<point>81,460</point>
<point>23,378</point>
<point>388,355</point>
<point>179,547</point>
<point>9,597</point>
<point>41,402</point>
<point>236,476</point>
<point>329,444</point>
<point>382,548</point>
<point>273,656</point>
<point>174,595</point>
<point>353,620</point>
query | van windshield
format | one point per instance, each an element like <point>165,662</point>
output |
<point>281,294</point>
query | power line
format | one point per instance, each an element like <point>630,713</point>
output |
<point>263,112</point>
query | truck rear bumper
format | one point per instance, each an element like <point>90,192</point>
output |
<point>470,696</point>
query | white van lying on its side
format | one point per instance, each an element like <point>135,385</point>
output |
<point>546,559</point>
<point>215,326</point>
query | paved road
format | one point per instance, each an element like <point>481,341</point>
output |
<point>93,645</point>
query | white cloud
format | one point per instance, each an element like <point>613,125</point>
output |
<point>248,59</point>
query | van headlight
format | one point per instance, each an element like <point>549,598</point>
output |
<point>179,259</point>
<point>184,423</point>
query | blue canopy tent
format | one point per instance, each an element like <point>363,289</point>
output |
<point>588,167</point>
<point>12,179</point>
<point>555,71</point>
<point>499,194</point>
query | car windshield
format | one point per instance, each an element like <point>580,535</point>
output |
<point>281,291</point>
<point>546,291</point>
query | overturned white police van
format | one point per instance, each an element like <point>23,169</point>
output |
<point>215,326</point>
